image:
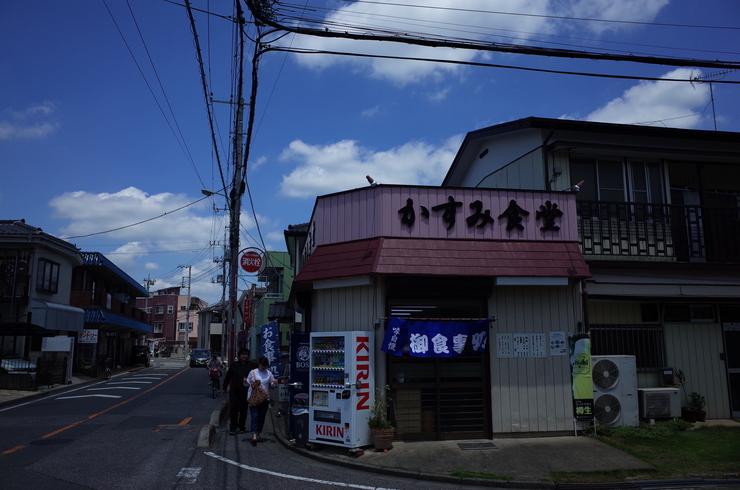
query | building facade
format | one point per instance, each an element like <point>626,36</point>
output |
<point>544,228</point>
<point>434,255</point>
<point>173,321</point>
<point>659,226</point>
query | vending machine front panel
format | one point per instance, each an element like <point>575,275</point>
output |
<point>341,385</point>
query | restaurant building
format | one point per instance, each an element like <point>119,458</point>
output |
<point>434,255</point>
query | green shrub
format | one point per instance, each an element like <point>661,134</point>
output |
<point>659,430</point>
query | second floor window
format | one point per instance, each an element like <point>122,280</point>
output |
<point>158,327</point>
<point>48,276</point>
<point>181,326</point>
<point>170,309</point>
<point>618,180</point>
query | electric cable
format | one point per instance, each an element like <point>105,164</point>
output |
<point>137,223</point>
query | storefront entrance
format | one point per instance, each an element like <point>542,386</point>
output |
<point>436,398</point>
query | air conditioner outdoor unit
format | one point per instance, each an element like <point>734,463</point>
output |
<point>658,403</point>
<point>615,390</point>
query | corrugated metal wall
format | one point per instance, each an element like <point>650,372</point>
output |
<point>532,394</point>
<point>695,349</point>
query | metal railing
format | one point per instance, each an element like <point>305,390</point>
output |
<point>680,233</point>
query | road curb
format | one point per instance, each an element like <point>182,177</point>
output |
<point>208,433</point>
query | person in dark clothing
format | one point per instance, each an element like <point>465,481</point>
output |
<point>234,385</point>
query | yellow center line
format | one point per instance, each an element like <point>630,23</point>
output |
<point>13,450</point>
<point>50,434</point>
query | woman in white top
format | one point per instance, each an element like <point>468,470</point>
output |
<point>258,413</point>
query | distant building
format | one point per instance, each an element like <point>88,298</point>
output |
<point>168,310</point>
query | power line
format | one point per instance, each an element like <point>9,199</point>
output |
<point>137,223</point>
<point>204,83</point>
<point>264,12</point>
<point>477,11</point>
<point>180,141</point>
<point>490,65</point>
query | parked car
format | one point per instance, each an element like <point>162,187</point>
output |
<point>140,355</point>
<point>18,366</point>
<point>200,357</point>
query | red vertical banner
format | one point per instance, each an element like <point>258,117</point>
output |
<point>248,311</point>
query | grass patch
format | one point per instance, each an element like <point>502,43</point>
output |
<point>674,452</point>
<point>485,476</point>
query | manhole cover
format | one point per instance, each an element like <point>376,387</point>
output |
<point>477,445</point>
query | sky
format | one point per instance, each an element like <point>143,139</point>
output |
<point>105,133</point>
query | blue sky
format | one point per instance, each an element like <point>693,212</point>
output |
<point>103,121</point>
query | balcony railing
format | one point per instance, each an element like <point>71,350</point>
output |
<point>85,299</point>
<point>662,232</point>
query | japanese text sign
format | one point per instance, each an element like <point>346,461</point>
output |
<point>270,346</point>
<point>435,338</point>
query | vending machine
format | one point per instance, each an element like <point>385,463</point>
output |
<point>341,388</point>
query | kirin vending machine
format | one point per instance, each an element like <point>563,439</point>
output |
<point>341,388</point>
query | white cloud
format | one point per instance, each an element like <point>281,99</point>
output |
<point>622,10</point>
<point>448,19</point>
<point>31,123</point>
<point>92,213</point>
<point>440,94</point>
<point>371,112</point>
<point>343,165</point>
<point>125,255</point>
<point>674,104</point>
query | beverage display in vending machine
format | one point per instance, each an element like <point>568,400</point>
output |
<point>341,388</point>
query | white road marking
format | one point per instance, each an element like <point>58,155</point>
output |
<point>190,475</point>
<point>116,388</point>
<point>88,396</point>
<point>127,382</point>
<point>292,477</point>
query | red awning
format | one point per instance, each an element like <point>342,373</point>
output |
<point>437,257</point>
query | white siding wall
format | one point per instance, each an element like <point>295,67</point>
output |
<point>695,349</point>
<point>523,173</point>
<point>353,308</point>
<point>532,394</point>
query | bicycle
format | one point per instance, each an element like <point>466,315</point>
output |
<point>105,372</point>
<point>214,375</point>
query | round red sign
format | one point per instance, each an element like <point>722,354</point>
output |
<point>252,261</point>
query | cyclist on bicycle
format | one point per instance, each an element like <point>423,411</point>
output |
<point>214,370</point>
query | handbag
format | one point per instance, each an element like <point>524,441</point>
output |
<point>259,395</point>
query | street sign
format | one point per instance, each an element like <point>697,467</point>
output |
<point>252,260</point>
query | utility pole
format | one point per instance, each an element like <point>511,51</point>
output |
<point>237,188</point>
<point>148,281</point>
<point>187,312</point>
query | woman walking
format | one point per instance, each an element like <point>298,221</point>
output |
<point>260,376</point>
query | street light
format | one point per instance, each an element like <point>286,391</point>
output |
<point>208,193</point>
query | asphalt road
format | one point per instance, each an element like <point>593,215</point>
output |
<point>139,430</point>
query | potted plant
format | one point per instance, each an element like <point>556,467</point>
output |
<point>381,429</point>
<point>697,403</point>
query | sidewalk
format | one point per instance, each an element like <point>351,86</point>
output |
<point>526,460</point>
